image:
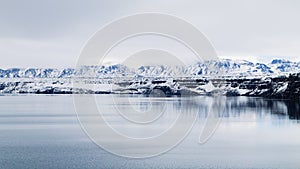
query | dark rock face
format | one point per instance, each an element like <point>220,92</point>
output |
<point>277,87</point>
<point>232,93</point>
<point>284,87</point>
<point>293,89</point>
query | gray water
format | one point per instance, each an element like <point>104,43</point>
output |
<point>42,131</point>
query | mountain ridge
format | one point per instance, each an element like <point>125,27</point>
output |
<point>278,79</point>
<point>223,67</point>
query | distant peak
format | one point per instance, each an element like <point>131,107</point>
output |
<point>280,61</point>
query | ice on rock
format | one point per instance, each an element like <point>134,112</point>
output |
<point>229,77</point>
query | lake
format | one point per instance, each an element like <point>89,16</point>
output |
<point>42,131</point>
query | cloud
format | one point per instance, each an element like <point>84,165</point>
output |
<point>59,28</point>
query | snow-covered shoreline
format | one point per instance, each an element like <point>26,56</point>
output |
<point>280,78</point>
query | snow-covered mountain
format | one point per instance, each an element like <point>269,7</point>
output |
<point>225,67</point>
<point>280,78</point>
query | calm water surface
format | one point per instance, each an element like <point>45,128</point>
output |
<point>39,131</point>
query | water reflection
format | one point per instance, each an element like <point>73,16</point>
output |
<point>234,107</point>
<point>43,132</point>
<point>261,108</point>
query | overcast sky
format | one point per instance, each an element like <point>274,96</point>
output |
<point>51,33</point>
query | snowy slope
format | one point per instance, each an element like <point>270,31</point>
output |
<point>225,67</point>
<point>227,77</point>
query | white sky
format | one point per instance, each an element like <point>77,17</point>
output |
<point>51,33</point>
